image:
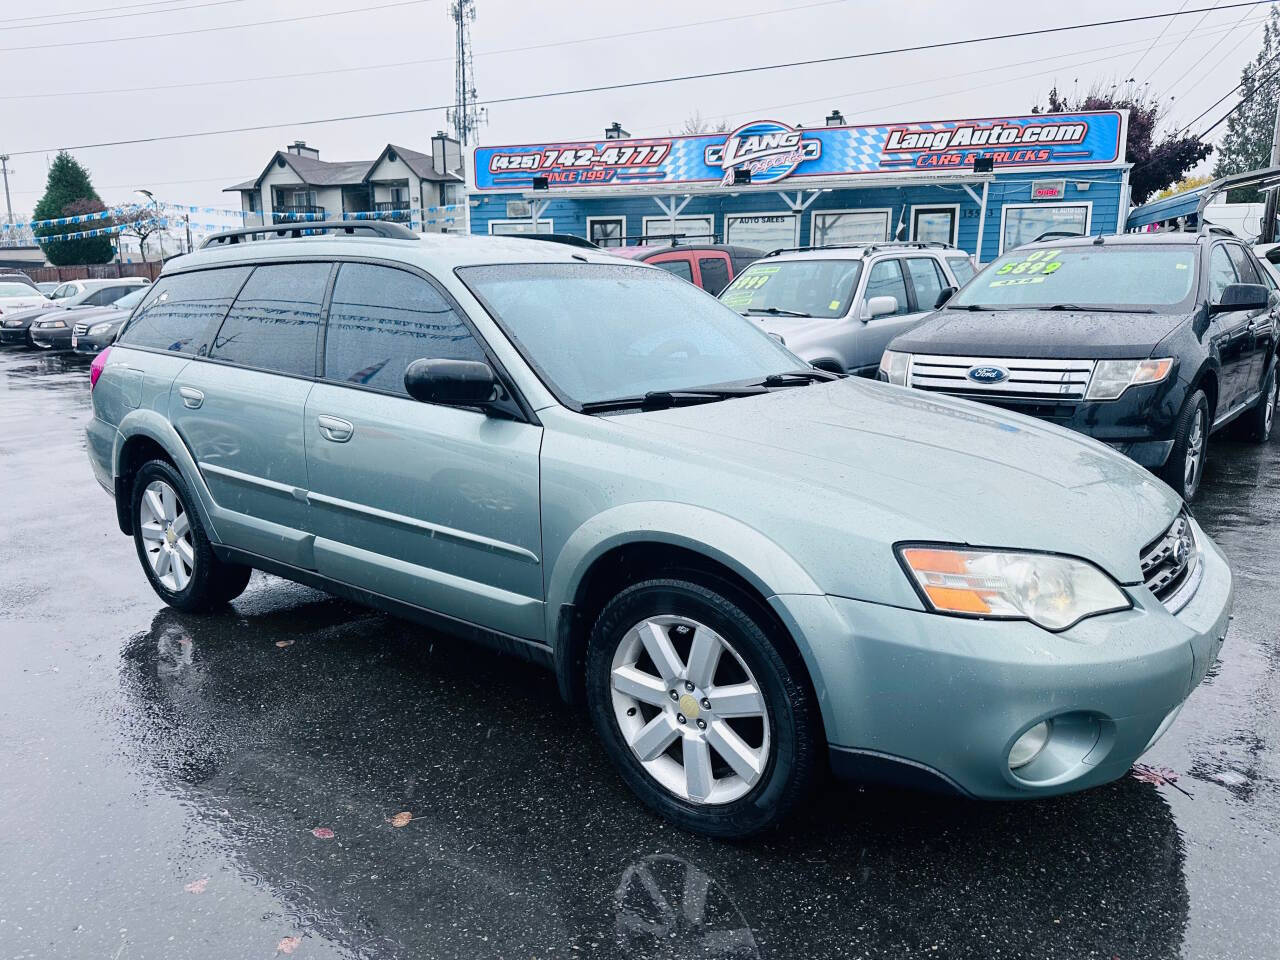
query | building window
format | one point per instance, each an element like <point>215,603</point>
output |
<point>852,227</point>
<point>658,229</point>
<point>607,231</point>
<point>399,194</point>
<point>454,193</point>
<point>513,228</point>
<point>1021,224</point>
<point>253,201</point>
<point>765,231</point>
<point>934,224</point>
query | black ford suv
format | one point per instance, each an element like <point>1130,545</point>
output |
<point>1147,342</point>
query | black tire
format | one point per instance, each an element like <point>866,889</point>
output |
<point>1257,423</point>
<point>792,764</point>
<point>1177,471</point>
<point>211,582</point>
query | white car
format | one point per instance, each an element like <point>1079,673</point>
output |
<point>16,296</point>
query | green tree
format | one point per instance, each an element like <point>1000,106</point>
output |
<point>1157,163</point>
<point>69,193</point>
<point>1247,144</point>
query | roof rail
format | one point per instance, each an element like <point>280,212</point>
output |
<point>881,245</point>
<point>675,238</point>
<point>306,228</point>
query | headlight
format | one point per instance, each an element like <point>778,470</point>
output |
<point>51,325</point>
<point>1054,592</point>
<point>894,366</point>
<point>13,323</point>
<point>1111,378</point>
<point>98,329</point>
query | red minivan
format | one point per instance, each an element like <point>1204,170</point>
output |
<point>709,265</point>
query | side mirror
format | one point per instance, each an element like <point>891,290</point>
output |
<point>945,294</point>
<point>460,383</point>
<point>881,306</point>
<point>1242,296</point>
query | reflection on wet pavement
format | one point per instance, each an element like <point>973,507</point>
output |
<point>181,786</point>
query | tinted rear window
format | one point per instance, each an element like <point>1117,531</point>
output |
<point>182,309</point>
<point>715,274</point>
<point>275,320</point>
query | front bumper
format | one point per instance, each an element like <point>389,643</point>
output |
<point>51,339</point>
<point>942,699</point>
<point>15,336</point>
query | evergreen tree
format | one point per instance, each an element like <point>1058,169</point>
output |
<point>68,193</point>
<point>1247,144</point>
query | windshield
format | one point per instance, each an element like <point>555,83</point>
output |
<point>17,290</point>
<point>131,299</point>
<point>807,288</point>
<point>1091,277</point>
<point>596,331</point>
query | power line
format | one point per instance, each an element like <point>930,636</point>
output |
<point>1168,56</point>
<point>1133,71</point>
<point>418,62</point>
<point>1204,56</point>
<point>632,84</point>
<point>231,26</point>
<point>118,16</point>
<point>76,13</point>
<point>1243,100</point>
<point>1215,103</point>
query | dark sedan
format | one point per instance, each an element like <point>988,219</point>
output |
<point>68,330</point>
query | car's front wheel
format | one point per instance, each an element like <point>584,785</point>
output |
<point>706,718</point>
<point>175,551</point>
<point>1185,466</point>
<point>1257,424</point>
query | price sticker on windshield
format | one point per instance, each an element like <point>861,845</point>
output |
<point>1036,262</point>
<point>755,278</point>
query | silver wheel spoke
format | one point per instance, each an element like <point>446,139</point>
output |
<point>169,502</point>
<point>152,499</point>
<point>180,575</point>
<point>182,525</point>
<point>658,645</point>
<point>164,562</point>
<point>736,700</point>
<point>704,655</point>
<point>697,768</point>
<point>152,531</point>
<point>736,754</point>
<point>185,553</point>
<point>645,687</point>
<point>655,736</point>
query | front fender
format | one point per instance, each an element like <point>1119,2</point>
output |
<point>750,554</point>
<point>156,427</point>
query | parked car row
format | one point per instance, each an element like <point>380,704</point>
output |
<point>747,569</point>
<point>38,321</point>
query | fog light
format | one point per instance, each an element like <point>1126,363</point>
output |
<point>1028,746</point>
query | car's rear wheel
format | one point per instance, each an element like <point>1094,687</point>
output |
<point>1185,466</point>
<point>707,720</point>
<point>173,547</point>
<point>1256,425</point>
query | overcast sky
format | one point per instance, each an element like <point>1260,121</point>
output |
<point>356,58</point>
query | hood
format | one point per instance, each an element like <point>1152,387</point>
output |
<point>941,468</point>
<point>92,315</point>
<point>1049,334</point>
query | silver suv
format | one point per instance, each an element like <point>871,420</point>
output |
<point>746,568</point>
<point>839,306</point>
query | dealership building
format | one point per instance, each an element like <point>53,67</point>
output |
<point>984,185</point>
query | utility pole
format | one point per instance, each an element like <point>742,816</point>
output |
<point>4,166</point>
<point>1268,231</point>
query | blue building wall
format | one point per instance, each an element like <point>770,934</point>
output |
<point>1102,190</point>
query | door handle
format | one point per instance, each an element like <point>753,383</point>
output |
<point>191,397</point>
<point>335,428</point>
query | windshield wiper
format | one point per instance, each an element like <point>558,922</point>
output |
<point>971,306</point>
<point>773,312</point>
<point>795,378</point>
<point>1095,308</point>
<point>662,399</point>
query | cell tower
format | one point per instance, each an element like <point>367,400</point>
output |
<point>465,118</point>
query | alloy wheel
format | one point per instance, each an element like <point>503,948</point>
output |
<point>166,536</point>
<point>1193,462</point>
<point>1270,413</point>
<point>690,709</point>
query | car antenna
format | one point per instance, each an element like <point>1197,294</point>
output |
<point>1098,241</point>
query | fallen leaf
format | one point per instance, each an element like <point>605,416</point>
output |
<point>284,643</point>
<point>322,833</point>
<point>288,944</point>
<point>401,819</point>
<point>1159,776</point>
<point>197,886</point>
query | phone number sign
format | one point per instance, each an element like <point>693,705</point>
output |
<point>772,151</point>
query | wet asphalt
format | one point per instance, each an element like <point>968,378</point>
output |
<point>175,786</point>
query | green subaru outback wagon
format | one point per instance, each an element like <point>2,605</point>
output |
<point>748,570</point>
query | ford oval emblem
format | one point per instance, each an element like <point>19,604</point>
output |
<point>988,373</point>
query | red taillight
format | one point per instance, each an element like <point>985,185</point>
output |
<point>95,368</point>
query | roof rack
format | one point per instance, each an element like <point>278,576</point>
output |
<point>305,228</point>
<point>675,238</point>
<point>881,245</point>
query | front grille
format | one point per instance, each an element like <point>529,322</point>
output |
<point>1035,380</point>
<point>80,329</point>
<point>1170,560</point>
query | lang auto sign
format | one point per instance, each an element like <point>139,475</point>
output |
<point>774,152</point>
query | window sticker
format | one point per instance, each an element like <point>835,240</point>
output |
<point>833,305</point>
<point>1036,263</point>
